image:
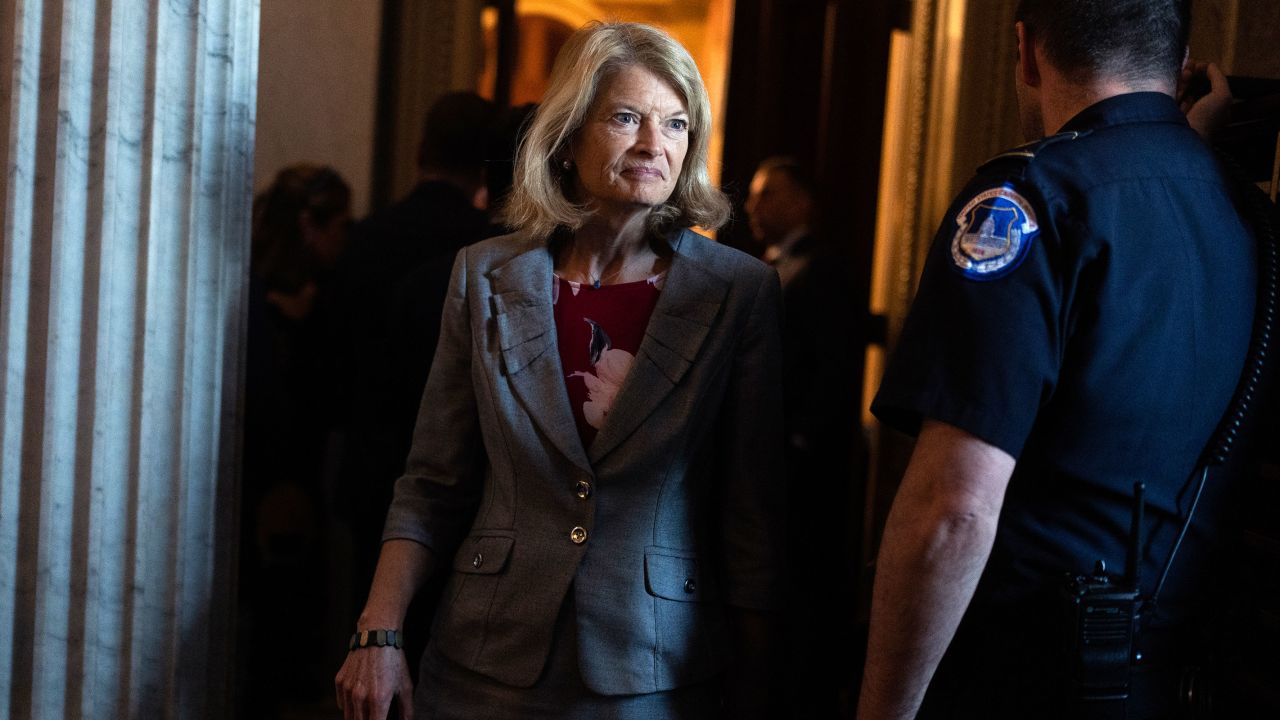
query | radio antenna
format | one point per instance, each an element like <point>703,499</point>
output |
<point>1134,569</point>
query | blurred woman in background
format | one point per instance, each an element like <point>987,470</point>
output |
<point>299,231</point>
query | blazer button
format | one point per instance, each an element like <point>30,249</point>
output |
<point>690,586</point>
<point>583,490</point>
<point>477,561</point>
<point>578,535</point>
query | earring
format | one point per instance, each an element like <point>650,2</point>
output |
<point>566,164</point>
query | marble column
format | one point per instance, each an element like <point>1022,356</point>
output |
<point>127,143</point>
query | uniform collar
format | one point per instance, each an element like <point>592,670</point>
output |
<point>1138,107</point>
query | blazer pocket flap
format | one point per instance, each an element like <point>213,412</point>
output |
<point>522,324</point>
<point>681,335</point>
<point>483,554</point>
<point>513,300</point>
<point>675,576</point>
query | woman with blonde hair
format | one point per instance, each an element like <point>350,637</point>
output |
<point>597,458</point>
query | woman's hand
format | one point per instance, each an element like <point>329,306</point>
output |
<point>370,679</point>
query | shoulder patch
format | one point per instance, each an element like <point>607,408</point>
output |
<point>994,232</point>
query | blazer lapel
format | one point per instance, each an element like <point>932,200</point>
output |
<point>525,334</point>
<point>687,309</point>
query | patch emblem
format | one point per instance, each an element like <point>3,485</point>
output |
<point>996,228</point>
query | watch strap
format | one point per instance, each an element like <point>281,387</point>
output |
<point>376,638</point>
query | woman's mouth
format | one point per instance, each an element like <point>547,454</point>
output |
<point>642,172</point>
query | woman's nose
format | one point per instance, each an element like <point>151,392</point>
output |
<point>648,138</point>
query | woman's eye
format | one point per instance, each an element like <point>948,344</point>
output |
<point>679,124</point>
<point>626,118</point>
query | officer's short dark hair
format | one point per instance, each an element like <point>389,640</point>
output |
<point>456,134</point>
<point>1127,39</point>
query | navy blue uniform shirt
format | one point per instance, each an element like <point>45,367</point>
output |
<point>1086,307</point>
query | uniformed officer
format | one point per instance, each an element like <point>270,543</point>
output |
<point>1081,324</point>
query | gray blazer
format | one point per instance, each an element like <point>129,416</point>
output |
<point>673,512</point>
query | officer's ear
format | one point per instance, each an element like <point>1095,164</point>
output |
<point>1028,68</point>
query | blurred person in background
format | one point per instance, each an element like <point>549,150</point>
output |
<point>825,447</point>
<point>299,231</point>
<point>385,361</point>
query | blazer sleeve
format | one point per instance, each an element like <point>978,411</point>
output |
<point>750,458</point>
<point>436,498</point>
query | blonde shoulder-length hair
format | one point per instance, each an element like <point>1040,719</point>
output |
<point>539,202</point>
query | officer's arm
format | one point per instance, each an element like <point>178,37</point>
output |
<point>936,541</point>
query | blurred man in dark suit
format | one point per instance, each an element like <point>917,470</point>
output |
<point>392,298</point>
<point>825,447</point>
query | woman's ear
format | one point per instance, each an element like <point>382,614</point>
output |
<point>564,156</point>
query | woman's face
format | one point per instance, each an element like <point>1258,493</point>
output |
<point>326,240</point>
<point>630,150</point>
